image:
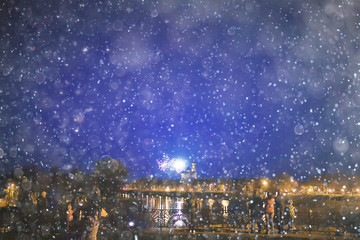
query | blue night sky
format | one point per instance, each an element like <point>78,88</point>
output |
<point>250,88</point>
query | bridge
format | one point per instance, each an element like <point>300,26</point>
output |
<point>183,194</point>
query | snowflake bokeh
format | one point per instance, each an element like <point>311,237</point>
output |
<point>245,86</point>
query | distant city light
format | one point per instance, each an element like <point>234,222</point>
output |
<point>265,182</point>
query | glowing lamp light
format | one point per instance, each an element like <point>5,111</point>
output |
<point>225,203</point>
<point>265,183</point>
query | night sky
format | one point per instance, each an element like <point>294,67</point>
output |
<point>249,88</point>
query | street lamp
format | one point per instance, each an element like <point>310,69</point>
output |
<point>264,182</point>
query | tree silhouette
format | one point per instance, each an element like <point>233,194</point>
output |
<point>108,178</point>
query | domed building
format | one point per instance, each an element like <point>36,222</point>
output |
<point>189,174</point>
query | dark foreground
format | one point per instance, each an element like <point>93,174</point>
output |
<point>182,234</point>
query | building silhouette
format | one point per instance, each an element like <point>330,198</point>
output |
<point>189,174</point>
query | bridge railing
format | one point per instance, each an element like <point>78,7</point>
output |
<point>309,221</point>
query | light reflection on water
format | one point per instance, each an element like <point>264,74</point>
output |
<point>161,202</point>
<point>165,202</point>
<point>174,211</point>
